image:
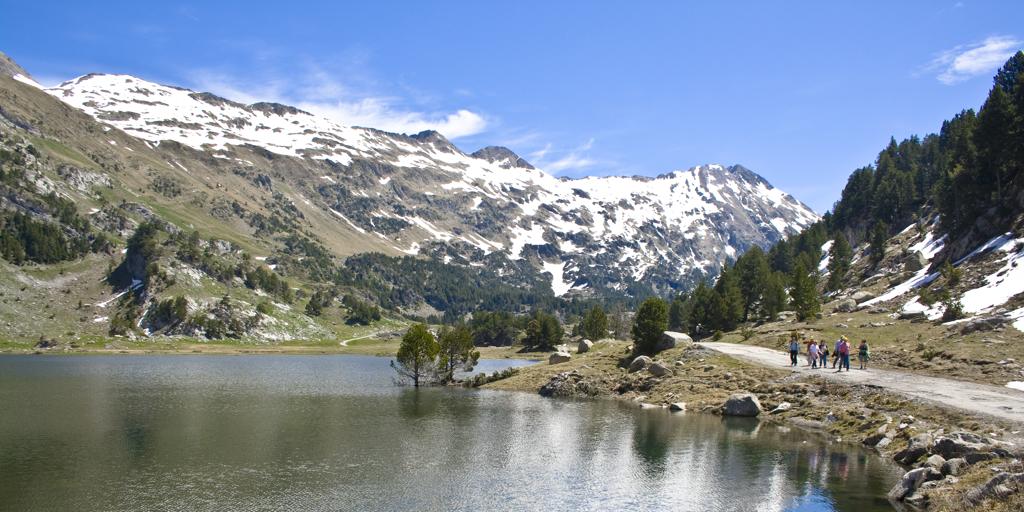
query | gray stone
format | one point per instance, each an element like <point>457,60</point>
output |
<point>783,407</point>
<point>658,369</point>
<point>846,305</point>
<point>988,323</point>
<point>953,467</point>
<point>742,404</point>
<point>917,446</point>
<point>976,457</point>
<point>672,339</point>
<point>915,261</point>
<point>677,406</point>
<point>935,461</point>
<point>639,363</point>
<point>957,444</point>
<point>559,357</point>
<point>584,346</point>
<point>862,296</point>
<point>912,315</point>
<point>998,487</point>
<point>883,443</point>
<point>911,481</point>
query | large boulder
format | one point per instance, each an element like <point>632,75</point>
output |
<point>559,357</point>
<point>584,346</point>
<point>915,261</point>
<point>988,323</point>
<point>659,369</point>
<point>742,404</point>
<point>639,363</point>
<point>862,296</point>
<point>672,339</point>
<point>846,306</point>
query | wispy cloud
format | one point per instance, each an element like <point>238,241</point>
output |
<point>970,60</point>
<point>317,91</point>
<point>575,159</point>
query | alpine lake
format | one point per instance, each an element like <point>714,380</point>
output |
<point>325,432</point>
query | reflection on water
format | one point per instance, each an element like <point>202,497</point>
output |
<point>332,433</point>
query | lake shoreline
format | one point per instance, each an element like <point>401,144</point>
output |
<point>901,430</point>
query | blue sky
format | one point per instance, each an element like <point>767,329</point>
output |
<point>800,92</point>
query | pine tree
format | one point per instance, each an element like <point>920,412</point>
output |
<point>456,351</point>
<point>840,259</point>
<point>804,293</point>
<point>417,355</point>
<point>774,299</point>
<point>879,237</point>
<point>594,325</point>
<point>650,324</point>
<point>754,270</point>
<point>677,314</point>
<point>732,303</point>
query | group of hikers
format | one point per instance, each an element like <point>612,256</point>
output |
<point>817,353</point>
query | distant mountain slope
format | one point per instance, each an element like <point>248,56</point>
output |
<point>368,190</point>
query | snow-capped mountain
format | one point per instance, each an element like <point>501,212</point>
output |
<point>420,194</point>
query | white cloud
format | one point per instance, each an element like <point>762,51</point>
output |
<point>575,159</point>
<point>317,92</point>
<point>971,60</point>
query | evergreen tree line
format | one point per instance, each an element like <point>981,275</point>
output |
<point>970,170</point>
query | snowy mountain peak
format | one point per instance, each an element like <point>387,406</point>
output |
<point>502,156</point>
<point>419,194</point>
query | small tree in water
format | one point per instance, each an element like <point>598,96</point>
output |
<point>456,351</point>
<point>417,356</point>
<point>651,322</point>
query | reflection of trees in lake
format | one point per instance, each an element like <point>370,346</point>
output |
<point>652,435</point>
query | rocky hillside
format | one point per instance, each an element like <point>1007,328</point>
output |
<point>421,195</point>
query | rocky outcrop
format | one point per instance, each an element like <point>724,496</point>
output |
<point>910,482</point>
<point>862,296</point>
<point>998,487</point>
<point>742,404</point>
<point>573,384</point>
<point>917,447</point>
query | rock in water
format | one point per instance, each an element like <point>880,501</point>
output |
<point>659,370</point>
<point>639,363</point>
<point>742,404</point>
<point>559,357</point>
<point>584,346</point>
<point>677,406</point>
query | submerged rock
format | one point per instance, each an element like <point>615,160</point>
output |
<point>742,404</point>
<point>677,406</point>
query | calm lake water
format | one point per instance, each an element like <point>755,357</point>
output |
<point>306,433</point>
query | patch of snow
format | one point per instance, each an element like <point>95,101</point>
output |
<point>1015,384</point>
<point>26,80</point>
<point>826,250</point>
<point>557,270</point>
<point>1001,285</point>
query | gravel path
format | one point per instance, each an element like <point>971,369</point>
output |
<point>1001,402</point>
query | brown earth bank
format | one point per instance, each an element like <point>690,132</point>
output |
<point>955,460</point>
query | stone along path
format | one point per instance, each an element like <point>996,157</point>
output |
<point>995,401</point>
